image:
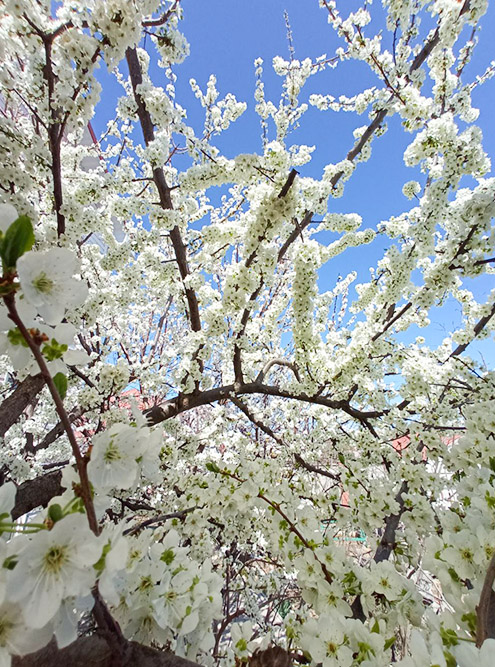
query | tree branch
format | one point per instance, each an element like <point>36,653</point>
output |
<point>185,402</point>
<point>258,423</point>
<point>37,492</point>
<point>144,116</point>
<point>319,471</point>
<point>485,611</point>
<point>96,651</point>
<point>15,404</point>
<point>277,362</point>
<point>478,328</point>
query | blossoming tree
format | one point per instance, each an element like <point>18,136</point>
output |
<point>209,518</point>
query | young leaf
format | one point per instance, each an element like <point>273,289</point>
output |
<point>18,239</point>
<point>60,381</point>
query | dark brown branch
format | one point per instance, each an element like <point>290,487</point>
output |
<point>110,629</point>
<point>485,611</point>
<point>288,183</point>
<point>37,492</point>
<point>392,321</point>
<point>155,23</point>
<point>15,404</point>
<point>387,543</point>
<point>144,116</point>
<point>311,468</point>
<point>278,362</point>
<point>180,514</point>
<point>185,402</point>
<point>275,656</point>
<point>57,431</point>
<point>257,422</point>
<point>478,328</point>
<point>96,651</point>
<point>55,138</point>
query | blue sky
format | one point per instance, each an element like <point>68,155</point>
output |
<point>226,36</point>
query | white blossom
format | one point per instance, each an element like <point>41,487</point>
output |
<point>47,282</point>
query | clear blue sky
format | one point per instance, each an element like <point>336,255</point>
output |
<point>227,35</point>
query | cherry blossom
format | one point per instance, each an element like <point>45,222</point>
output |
<point>47,282</point>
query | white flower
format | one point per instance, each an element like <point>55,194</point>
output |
<point>16,638</point>
<point>242,641</point>
<point>8,215</point>
<point>47,282</point>
<point>411,189</point>
<point>7,498</point>
<point>422,654</point>
<point>113,458</point>
<point>468,655</point>
<point>111,580</point>
<point>66,621</point>
<point>54,565</point>
<point>325,640</point>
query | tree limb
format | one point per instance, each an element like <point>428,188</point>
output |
<point>144,116</point>
<point>485,611</point>
<point>185,402</point>
<point>36,492</point>
<point>13,406</point>
<point>96,651</point>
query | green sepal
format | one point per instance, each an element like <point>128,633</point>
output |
<point>100,564</point>
<point>10,562</point>
<point>16,338</point>
<point>54,350</point>
<point>389,642</point>
<point>55,512</point>
<point>168,556</point>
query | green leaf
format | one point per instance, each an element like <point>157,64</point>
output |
<point>212,467</point>
<point>60,382</point>
<point>18,239</point>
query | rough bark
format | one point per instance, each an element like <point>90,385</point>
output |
<point>95,651</point>
<point>485,611</point>
<point>36,492</point>
<point>13,406</point>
